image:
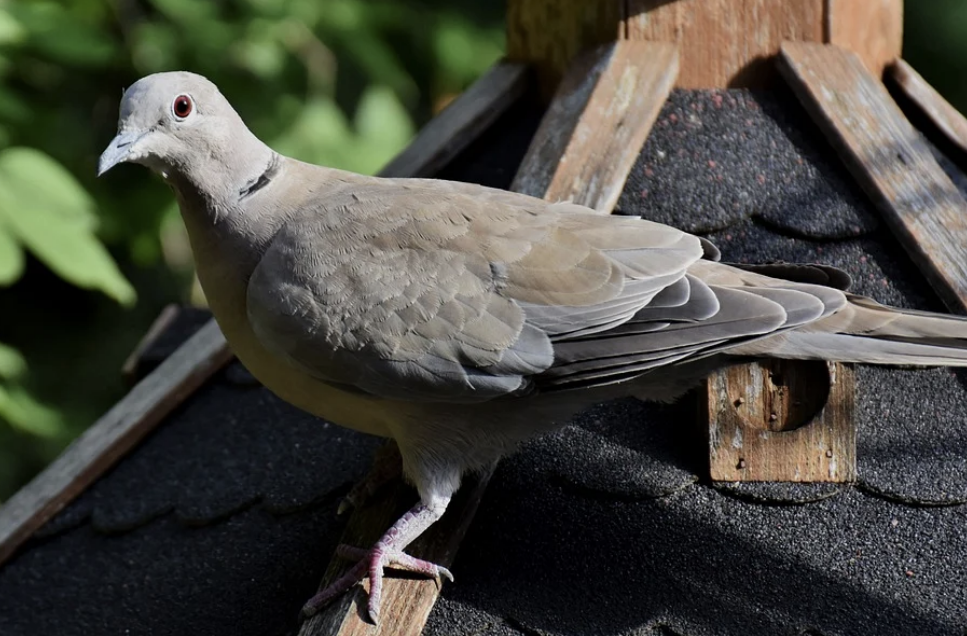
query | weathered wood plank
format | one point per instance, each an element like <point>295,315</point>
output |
<point>119,430</point>
<point>616,109</point>
<point>782,421</point>
<point>600,117</point>
<point>129,370</point>
<point>873,29</point>
<point>725,43</point>
<point>461,122</point>
<point>407,601</point>
<point>889,158</point>
<point>549,34</point>
<point>945,117</point>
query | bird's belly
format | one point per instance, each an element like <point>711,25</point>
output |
<point>358,412</point>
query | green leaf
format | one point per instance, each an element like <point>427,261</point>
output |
<point>381,117</point>
<point>11,31</point>
<point>11,258</point>
<point>61,37</point>
<point>318,134</point>
<point>23,412</point>
<point>31,178</point>
<point>74,255</point>
<point>464,51</point>
<point>50,213</point>
<point>12,364</point>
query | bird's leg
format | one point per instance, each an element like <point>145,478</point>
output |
<point>387,552</point>
<point>387,465</point>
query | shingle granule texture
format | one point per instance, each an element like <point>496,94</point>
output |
<point>222,521</point>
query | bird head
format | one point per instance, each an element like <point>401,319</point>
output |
<point>173,123</point>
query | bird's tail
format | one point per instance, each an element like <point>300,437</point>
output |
<point>867,332</point>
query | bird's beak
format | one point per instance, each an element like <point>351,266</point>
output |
<point>118,150</point>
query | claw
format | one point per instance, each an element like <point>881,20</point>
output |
<point>371,563</point>
<point>387,552</point>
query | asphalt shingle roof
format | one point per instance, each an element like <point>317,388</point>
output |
<point>222,521</point>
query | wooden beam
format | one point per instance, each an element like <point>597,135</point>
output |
<point>131,419</point>
<point>873,29</point>
<point>945,117</point>
<point>889,158</point>
<point>406,602</point>
<point>549,34</point>
<point>635,91</point>
<point>616,91</point>
<point>460,122</point>
<point>726,43</point>
<point>782,420</point>
<point>117,432</point>
<point>129,370</point>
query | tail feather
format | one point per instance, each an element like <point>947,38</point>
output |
<point>865,331</point>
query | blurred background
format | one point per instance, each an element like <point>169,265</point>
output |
<point>86,265</point>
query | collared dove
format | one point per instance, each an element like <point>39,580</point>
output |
<point>460,320</point>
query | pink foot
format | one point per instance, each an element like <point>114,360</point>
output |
<point>371,564</point>
<point>387,552</point>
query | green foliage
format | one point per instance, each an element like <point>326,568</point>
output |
<point>345,83</point>
<point>44,209</point>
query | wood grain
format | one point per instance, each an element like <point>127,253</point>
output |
<point>873,29</point>
<point>407,601</point>
<point>597,123</point>
<point>129,370</point>
<point>460,122</point>
<point>623,105</point>
<point>944,116</point>
<point>889,158</point>
<point>549,34</point>
<point>117,432</point>
<point>726,43</point>
<point>782,420</point>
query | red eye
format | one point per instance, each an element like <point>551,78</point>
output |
<point>182,106</point>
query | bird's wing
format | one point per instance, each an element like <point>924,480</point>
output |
<point>433,291</point>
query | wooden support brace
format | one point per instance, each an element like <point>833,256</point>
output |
<point>616,91</point>
<point>782,420</point>
<point>725,43</point>
<point>602,111</point>
<point>945,117</point>
<point>889,158</point>
<point>549,34</point>
<point>108,439</point>
<point>873,29</point>
<point>447,134</point>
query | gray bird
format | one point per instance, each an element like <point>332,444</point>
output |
<point>460,320</point>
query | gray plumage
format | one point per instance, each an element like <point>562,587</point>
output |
<point>460,320</point>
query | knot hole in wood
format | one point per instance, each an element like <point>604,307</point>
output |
<point>778,395</point>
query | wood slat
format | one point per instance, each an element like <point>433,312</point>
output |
<point>617,91</point>
<point>460,122</point>
<point>407,602</point>
<point>108,439</point>
<point>131,419</point>
<point>945,117</point>
<point>873,29</point>
<point>129,370</point>
<point>549,34</point>
<point>726,43</point>
<point>782,420</point>
<point>889,158</point>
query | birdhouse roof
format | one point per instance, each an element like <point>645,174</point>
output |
<point>223,519</point>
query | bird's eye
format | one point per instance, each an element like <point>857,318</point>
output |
<point>182,106</point>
